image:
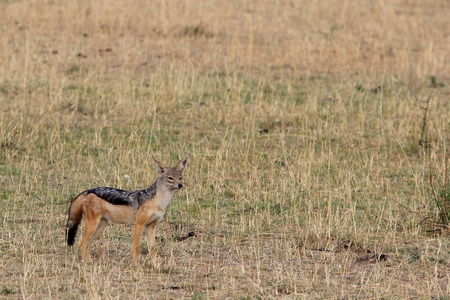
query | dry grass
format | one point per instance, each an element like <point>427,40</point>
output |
<point>306,178</point>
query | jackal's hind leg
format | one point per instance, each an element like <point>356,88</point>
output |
<point>101,226</point>
<point>91,231</point>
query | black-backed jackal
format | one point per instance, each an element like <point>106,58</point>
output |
<point>143,208</point>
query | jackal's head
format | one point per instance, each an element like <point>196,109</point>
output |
<point>172,177</point>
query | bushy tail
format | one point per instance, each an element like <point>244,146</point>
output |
<point>75,215</point>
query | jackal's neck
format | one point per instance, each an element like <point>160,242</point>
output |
<point>163,193</point>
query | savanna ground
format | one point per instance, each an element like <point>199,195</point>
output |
<point>303,120</point>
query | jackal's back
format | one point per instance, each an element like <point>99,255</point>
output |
<point>122,197</point>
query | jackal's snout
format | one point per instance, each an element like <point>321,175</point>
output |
<point>176,186</point>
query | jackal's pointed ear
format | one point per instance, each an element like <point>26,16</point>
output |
<point>182,164</point>
<point>160,167</point>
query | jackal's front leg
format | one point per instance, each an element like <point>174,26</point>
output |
<point>151,240</point>
<point>137,235</point>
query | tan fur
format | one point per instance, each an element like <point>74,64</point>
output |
<point>99,212</point>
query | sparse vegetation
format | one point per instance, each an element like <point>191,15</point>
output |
<point>306,180</point>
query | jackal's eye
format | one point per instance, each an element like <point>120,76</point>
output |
<point>170,178</point>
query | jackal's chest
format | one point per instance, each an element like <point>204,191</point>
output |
<point>149,213</point>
